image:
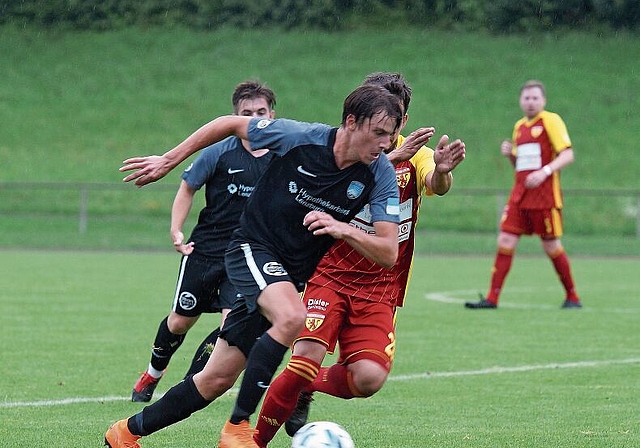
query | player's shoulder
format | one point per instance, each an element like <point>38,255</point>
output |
<point>548,116</point>
<point>289,125</point>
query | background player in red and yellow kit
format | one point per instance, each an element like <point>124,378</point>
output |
<point>541,148</point>
<point>352,300</point>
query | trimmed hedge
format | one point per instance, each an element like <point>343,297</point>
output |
<point>498,16</point>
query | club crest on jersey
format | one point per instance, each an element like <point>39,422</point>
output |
<point>313,322</point>
<point>536,131</point>
<point>355,189</point>
<point>187,300</point>
<point>273,268</point>
<point>263,124</point>
<point>403,176</point>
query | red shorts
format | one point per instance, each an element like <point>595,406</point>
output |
<point>364,329</point>
<point>544,222</point>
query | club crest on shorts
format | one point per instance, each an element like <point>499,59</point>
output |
<point>273,268</point>
<point>314,321</point>
<point>355,189</point>
<point>187,300</point>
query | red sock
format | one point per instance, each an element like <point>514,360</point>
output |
<point>561,264</point>
<point>337,381</point>
<point>499,271</point>
<point>282,397</point>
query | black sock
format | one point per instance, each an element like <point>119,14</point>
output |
<point>164,346</point>
<point>264,359</point>
<point>202,354</point>
<point>178,403</point>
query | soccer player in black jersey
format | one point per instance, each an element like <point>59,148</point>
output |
<point>320,178</point>
<point>229,171</point>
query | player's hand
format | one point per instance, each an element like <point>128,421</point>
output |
<point>506,147</point>
<point>321,223</point>
<point>147,169</point>
<point>447,155</point>
<point>178,243</point>
<point>411,144</point>
<point>535,178</point>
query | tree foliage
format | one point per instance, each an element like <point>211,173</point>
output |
<point>499,16</point>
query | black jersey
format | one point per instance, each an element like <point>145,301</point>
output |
<point>229,173</point>
<point>302,177</point>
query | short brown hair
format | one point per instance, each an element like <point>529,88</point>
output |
<point>534,83</point>
<point>252,89</point>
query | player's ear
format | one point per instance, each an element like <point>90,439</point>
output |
<point>405,118</point>
<point>350,122</point>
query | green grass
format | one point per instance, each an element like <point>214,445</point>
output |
<point>78,325</point>
<point>74,105</point>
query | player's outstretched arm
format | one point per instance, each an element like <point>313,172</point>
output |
<point>411,144</point>
<point>152,168</point>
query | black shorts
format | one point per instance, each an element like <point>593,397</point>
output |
<point>251,267</point>
<point>202,287</point>
<point>242,328</point>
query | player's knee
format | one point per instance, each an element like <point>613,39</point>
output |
<point>213,386</point>
<point>178,324</point>
<point>291,321</point>
<point>368,376</point>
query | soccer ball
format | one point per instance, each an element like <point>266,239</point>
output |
<point>322,435</point>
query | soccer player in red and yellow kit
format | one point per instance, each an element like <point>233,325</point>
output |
<point>541,148</point>
<point>352,301</point>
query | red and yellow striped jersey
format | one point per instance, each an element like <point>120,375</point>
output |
<point>345,270</point>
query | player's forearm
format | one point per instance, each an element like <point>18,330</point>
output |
<point>181,208</point>
<point>563,159</point>
<point>441,182</point>
<point>379,248</point>
<point>212,132</point>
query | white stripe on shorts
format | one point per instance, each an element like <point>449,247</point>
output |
<point>253,267</point>
<point>183,264</point>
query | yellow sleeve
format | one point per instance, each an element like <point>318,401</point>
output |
<point>423,161</point>
<point>557,131</point>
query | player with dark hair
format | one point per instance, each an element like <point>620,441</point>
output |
<point>319,180</point>
<point>229,171</point>
<point>351,301</point>
<point>540,149</point>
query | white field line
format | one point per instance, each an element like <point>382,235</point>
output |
<point>416,376</point>
<point>517,369</point>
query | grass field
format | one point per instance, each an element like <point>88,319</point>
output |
<point>78,325</point>
<point>75,104</point>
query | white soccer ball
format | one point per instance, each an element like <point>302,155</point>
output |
<point>322,435</point>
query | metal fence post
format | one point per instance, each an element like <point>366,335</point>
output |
<point>637,216</point>
<point>82,218</point>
